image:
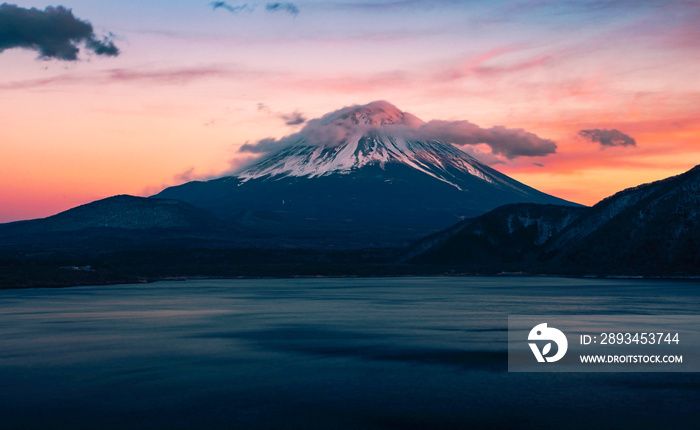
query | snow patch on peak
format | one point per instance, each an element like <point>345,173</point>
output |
<point>375,114</point>
<point>379,146</point>
<point>356,136</point>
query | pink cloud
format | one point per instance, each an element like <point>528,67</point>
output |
<point>335,128</point>
<point>177,76</point>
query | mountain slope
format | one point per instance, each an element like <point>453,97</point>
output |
<point>358,177</point>
<point>120,221</point>
<point>652,229</point>
<point>123,211</point>
<point>506,238</point>
<point>439,160</point>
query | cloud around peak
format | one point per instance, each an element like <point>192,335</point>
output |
<point>508,142</point>
<point>336,128</point>
<point>55,33</point>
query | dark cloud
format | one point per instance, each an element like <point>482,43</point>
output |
<point>104,46</point>
<point>538,164</point>
<point>290,8</point>
<point>54,32</point>
<point>264,146</point>
<point>607,138</point>
<point>337,127</point>
<point>294,118</point>
<point>508,142</point>
<point>245,7</point>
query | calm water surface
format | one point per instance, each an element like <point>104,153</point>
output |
<point>390,353</point>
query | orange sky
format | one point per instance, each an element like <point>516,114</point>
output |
<point>184,93</point>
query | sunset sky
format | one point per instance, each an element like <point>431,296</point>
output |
<point>616,84</point>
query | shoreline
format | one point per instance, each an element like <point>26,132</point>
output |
<point>137,280</point>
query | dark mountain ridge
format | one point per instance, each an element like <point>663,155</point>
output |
<point>504,237</point>
<point>652,229</point>
<point>117,222</point>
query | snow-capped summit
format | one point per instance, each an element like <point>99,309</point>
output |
<point>376,113</point>
<point>356,136</point>
<point>437,159</point>
<point>364,176</point>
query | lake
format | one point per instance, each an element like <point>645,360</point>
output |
<point>352,353</point>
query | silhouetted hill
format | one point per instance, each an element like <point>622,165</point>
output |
<point>504,239</point>
<point>116,222</point>
<point>646,230</point>
<point>652,229</point>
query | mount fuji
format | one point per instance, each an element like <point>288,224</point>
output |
<point>362,176</point>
